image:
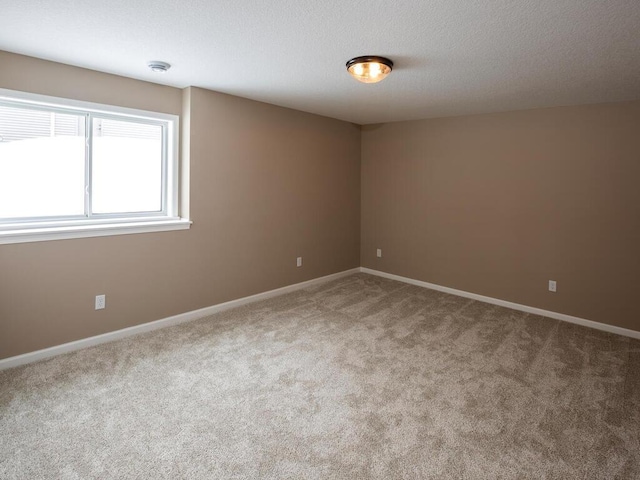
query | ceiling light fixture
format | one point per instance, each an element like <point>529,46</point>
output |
<point>159,67</point>
<point>369,69</point>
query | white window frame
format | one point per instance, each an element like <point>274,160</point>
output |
<point>37,229</point>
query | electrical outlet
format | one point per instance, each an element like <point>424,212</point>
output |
<point>101,302</point>
<point>299,262</point>
<point>552,285</point>
<point>379,253</point>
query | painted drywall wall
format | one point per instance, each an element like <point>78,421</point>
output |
<point>492,204</point>
<point>268,184</point>
<point>499,204</point>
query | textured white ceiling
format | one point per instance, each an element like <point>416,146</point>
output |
<point>451,57</point>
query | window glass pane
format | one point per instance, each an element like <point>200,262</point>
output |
<point>127,166</point>
<point>42,163</point>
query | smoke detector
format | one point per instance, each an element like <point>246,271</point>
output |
<point>159,67</point>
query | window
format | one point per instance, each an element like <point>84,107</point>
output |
<point>71,169</point>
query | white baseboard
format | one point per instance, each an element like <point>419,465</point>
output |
<point>503,303</point>
<point>38,355</point>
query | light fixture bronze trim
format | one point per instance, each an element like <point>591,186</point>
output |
<point>369,68</point>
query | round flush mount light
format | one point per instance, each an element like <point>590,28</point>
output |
<point>159,67</point>
<point>369,69</point>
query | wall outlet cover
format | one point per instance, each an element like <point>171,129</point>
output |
<point>101,302</point>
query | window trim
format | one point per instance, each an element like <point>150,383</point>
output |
<point>57,228</point>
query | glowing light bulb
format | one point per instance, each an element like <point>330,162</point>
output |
<point>369,69</point>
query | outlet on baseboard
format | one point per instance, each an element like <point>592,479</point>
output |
<point>379,253</point>
<point>299,262</point>
<point>101,302</point>
<point>552,286</point>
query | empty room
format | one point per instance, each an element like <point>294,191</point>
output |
<point>320,240</point>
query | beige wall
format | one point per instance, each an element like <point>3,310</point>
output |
<point>492,204</point>
<point>267,184</point>
<point>500,204</point>
<point>28,74</point>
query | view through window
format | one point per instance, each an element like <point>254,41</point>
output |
<point>70,169</point>
<point>55,163</point>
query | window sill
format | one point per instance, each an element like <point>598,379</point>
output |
<point>85,230</point>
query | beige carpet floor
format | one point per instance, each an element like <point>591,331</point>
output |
<point>358,378</point>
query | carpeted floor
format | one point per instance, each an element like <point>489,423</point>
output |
<point>358,378</point>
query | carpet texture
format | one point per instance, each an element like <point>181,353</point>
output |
<point>358,378</point>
